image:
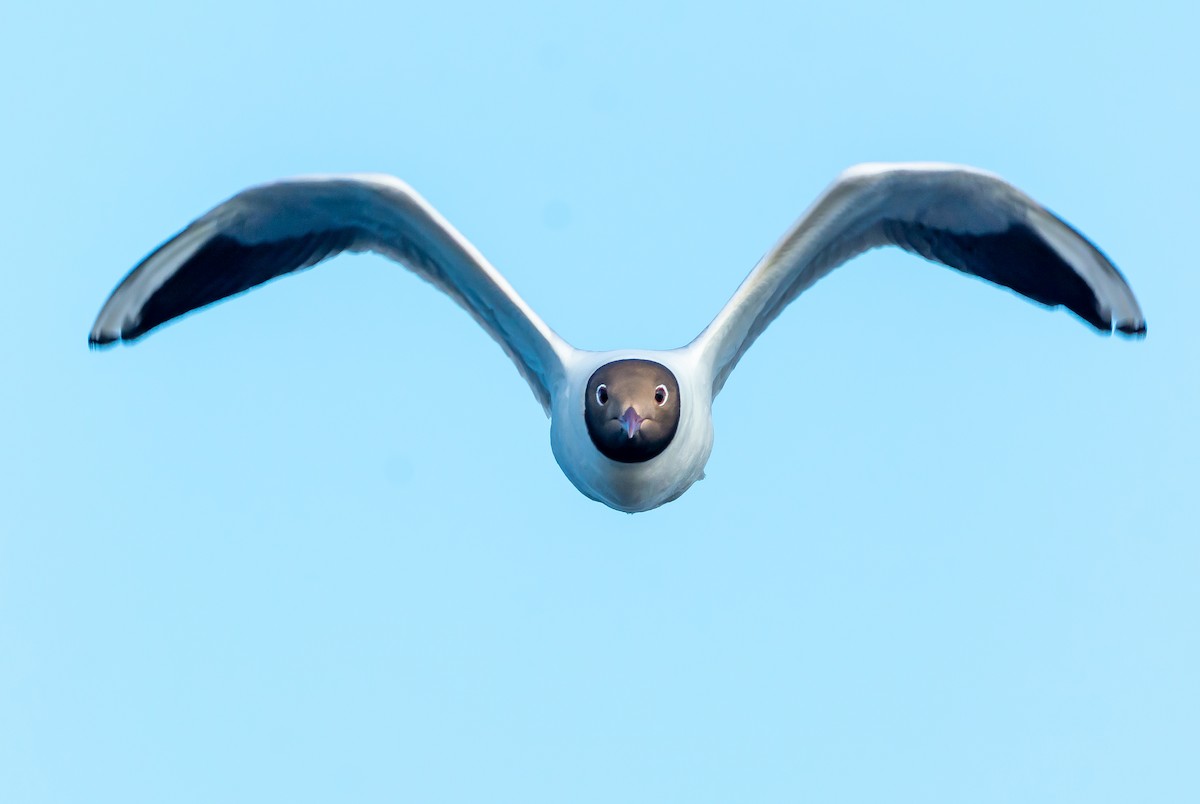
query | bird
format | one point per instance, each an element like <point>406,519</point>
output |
<point>630,428</point>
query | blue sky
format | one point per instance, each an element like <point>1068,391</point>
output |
<point>312,545</point>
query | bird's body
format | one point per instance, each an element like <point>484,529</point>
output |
<point>641,485</point>
<point>630,428</point>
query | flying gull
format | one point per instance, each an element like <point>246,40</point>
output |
<point>630,428</point>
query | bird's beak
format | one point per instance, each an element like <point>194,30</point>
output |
<point>630,421</point>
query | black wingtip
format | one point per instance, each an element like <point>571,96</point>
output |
<point>101,342</point>
<point>1132,331</point>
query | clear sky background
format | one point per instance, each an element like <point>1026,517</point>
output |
<point>312,545</point>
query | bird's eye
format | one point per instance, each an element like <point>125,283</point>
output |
<point>660,395</point>
<point>602,394</point>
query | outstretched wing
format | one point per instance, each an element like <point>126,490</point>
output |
<point>952,214</point>
<point>284,227</point>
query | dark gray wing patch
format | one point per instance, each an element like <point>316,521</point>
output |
<point>223,267</point>
<point>1017,258</point>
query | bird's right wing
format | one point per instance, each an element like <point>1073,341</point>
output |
<point>283,227</point>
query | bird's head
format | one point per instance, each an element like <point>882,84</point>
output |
<point>632,409</point>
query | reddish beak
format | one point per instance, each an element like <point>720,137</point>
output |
<point>631,421</point>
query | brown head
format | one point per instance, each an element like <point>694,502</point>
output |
<point>632,409</point>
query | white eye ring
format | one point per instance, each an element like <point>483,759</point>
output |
<point>602,394</point>
<point>662,389</point>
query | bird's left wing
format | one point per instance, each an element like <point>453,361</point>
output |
<point>959,216</point>
<point>283,227</point>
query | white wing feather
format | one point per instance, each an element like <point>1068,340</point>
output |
<point>279,228</point>
<point>959,216</point>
